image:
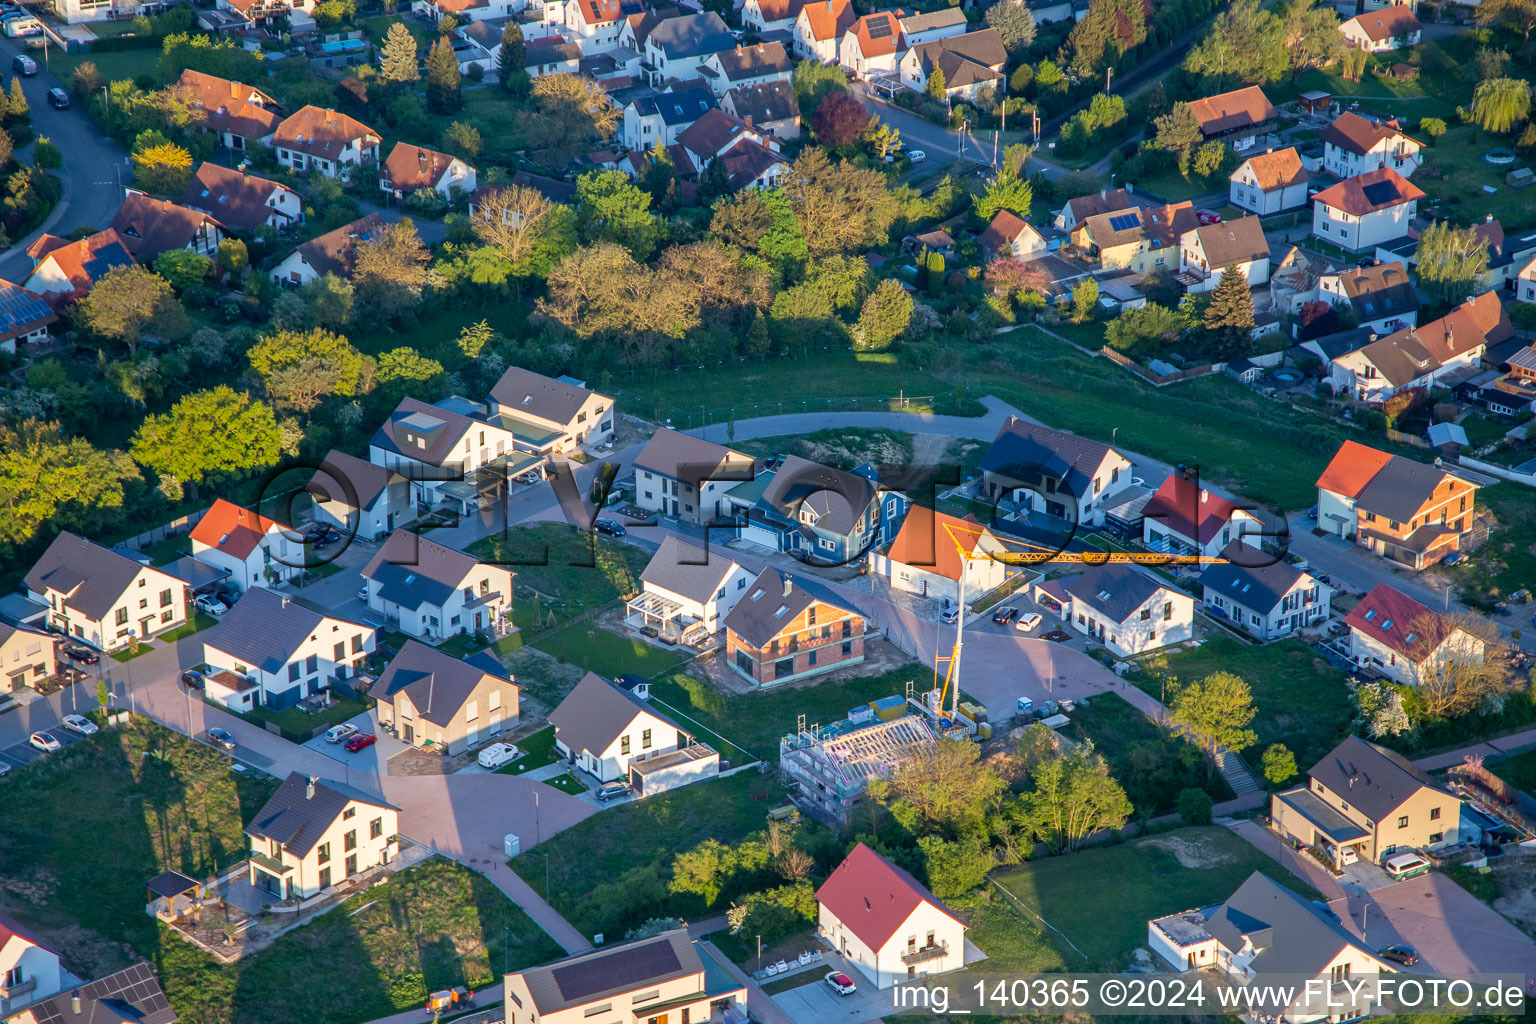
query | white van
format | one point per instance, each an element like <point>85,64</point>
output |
<point>1405,865</point>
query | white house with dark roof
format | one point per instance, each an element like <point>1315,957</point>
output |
<point>254,550</point>
<point>443,452</point>
<point>1074,211</point>
<point>132,994</point>
<point>746,66</point>
<point>433,592</point>
<point>1382,296</point>
<point>25,317</point>
<point>29,968</point>
<point>548,415</point>
<point>770,107</point>
<point>817,513</point>
<point>104,598</point>
<point>652,119</point>
<point>1053,472</point>
<point>1129,610</point>
<point>315,833</point>
<point>612,734</point>
<point>686,591</point>
<point>430,699</point>
<point>687,477</point>
<point>968,62</point>
<point>885,922</point>
<point>676,48</point>
<point>286,650</point>
<point>1265,597</point>
<point>359,497</point>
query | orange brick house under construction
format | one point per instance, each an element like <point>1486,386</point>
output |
<point>789,627</point>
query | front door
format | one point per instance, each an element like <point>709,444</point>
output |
<point>410,734</point>
<point>325,878</point>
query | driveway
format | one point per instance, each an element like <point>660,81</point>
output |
<point>816,1002</point>
<point>370,760</point>
<point>1299,864</point>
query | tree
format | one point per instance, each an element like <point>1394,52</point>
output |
<point>1085,301</point>
<point>398,60</point>
<point>1434,127</point>
<point>462,139</point>
<point>1519,15</point>
<point>443,78</point>
<point>884,139</point>
<point>1310,33</point>
<point>1073,796</point>
<point>17,108</point>
<point>406,365</point>
<point>183,268</point>
<point>1230,314</point>
<point>1245,45</point>
<point>49,477</point>
<point>763,223</point>
<point>1352,63</point>
<point>611,208</point>
<point>1014,24</point>
<point>942,787</point>
<point>573,114</point>
<point>532,232</point>
<point>234,257</point>
<point>1145,327</point>
<point>1178,132</point>
<point>7,148</point>
<point>215,431</point>
<point>512,59</point>
<point>126,300</point>
<point>884,317</point>
<point>1109,29</point>
<point>839,207</point>
<point>710,868</point>
<point>956,867</point>
<point>1454,669</point>
<point>1016,158</point>
<point>840,120</point>
<point>1278,764</point>
<point>164,168</point>
<point>473,338</point>
<point>86,79</point>
<point>814,81</point>
<point>1499,104</point>
<point>1195,806</point>
<point>390,270</point>
<point>1008,191</point>
<point>937,87</point>
<point>1214,712</point>
<point>300,368</point>
<point>1450,260</point>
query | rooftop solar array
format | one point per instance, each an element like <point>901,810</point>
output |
<point>625,967</point>
<point>135,986</point>
<point>1124,222</point>
<point>879,28</point>
<point>19,307</point>
<point>1380,192</point>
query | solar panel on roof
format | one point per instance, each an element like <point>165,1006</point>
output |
<point>1124,222</point>
<point>1379,192</point>
<point>623,967</point>
<point>880,28</point>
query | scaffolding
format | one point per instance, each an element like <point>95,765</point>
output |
<point>830,766</point>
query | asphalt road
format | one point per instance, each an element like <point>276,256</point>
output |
<point>94,166</point>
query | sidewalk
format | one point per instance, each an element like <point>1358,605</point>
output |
<point>1300,865</point>
<point>1490,748</point>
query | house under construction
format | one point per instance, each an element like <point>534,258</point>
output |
<point>829,766</point>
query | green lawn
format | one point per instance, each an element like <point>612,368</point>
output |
<point>575,571</point>
<point>1301,699</point>
<point>566,784</point>
<point>1507,562</point>
<point>534,751</point>
<point>167,551</point>
<point>1100,900</point>
<point>297,725</point>
<point>117,66</point>
<point>437,338</point>
<point>1519,771</point>
<point>1014,942</point>
<point>1454,175</point>
<point>1150,764</point>
<point>608,654</point>
<point>198,623</point>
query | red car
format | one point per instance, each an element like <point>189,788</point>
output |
<point>1208,216</point>
<point>361,740</point>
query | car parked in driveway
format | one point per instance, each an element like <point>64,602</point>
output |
<point>83,655</point>
<point>220,738</point>
<point>1004,615</point>
<point>609,527</point>
<point>80,724</point>
<point>1400,954</point>
<point>840,983</point>
<point>45,742</point>
<point>612,790</point>
<point>210,604</point>
<point>1029,622</point>
<point>337,733</point>
<point>359,741</point>
<point>498,754</point>
<point>193,679</point>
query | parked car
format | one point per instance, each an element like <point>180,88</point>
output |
<point>5,767</point>
<point>498,754</point>
<point>82,655</point>
<point>24,65</point>
<point>612,790</point>
<point>950,614</point>
<point>359,741</point>
<point>1399,954</point>
<point>609,527</point>
<point>1029,622</point>
<point>45,742</point>
<point>210,604</point>
<point>1405,865</point>
<point>58,98</point>
<point>362,593</point>
<point>221,738</point>
<point>917,156</point>
<point>337,733</point>
<point>1208,216</point>
<point>80,724</point>
<point>192,679</point>
<point>840,983</point>
<point>1005,615</point>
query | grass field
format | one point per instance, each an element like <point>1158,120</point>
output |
<point>1301,699</point>
<point>575,571</point>
<point>1518,771</point>
<point>1098,901</point>
<point>1152,766</point>
<point>535,751</point>
<point>114,67</point>
<point>1455,175</point>
<point>198,623</point>
<point>1507,562</point>
<point>607,653</point>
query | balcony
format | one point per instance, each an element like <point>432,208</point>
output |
<point>18,990</point>
<point>926,953</point>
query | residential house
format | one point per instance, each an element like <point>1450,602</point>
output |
<point>934,552</point>
<point>324,141</point>
<point>1506,255</point>
<point>1046,11</point>
<point>261,16</point>
<point>430,699</point>
<point>1053,472</point>
<point>657,977</point>
<point>771,15</point>
<point>27,657</point>
<point>1141,240</point>
<point>314,833</point>
<point>1270,182</point>
<point>1205,253</point>
<point>746,66</point>
<point>549,416</point>
<point>1419,357</point>
<point>1353,145</point>
<point>552,56</point>
<point>1364,797</point>
<point>660,118</point>
<point>1265,597</point>
<point>242,202</point>
<point>238,114</point>
<point>29,969</point>
<point>1010,236</point>
<point>770,107</point>
<point>715,134</point>
<point>686,477</point>
<point>820,27</point>
<point>1525,287</point>
<point>1236,118</point>
<point>922,27</point>
<point>872,44</point>
<point>1382,296</point>
<point>677,48</point>
<point>412,168</point>
<point>1509,389</point>
<point>287,651</point>
<point>104,598</point>
<point>595,24</point>
<point>132,994</point>
<point>1390,28</point>
<point>686,592</point>
<point>485,34</point>
<point>1406,641</point>
<point>1263,933</point>
<point>359,498</point>
<point>471,11</point>
<point>254,550</point>
<point>433,592</point>
<point>1412,513</point>
<point>791,627</point>
<point>611,734</point>
<point>885,922</point>
<point>1075,211</point>
<point>63,271</point>
<point>334,252</point>
<point>149,227</point>
<point>968,62</point>
<point>1369,210</point>
<point>1184,518</point>
<point>1129,610</point>
<point>24,317</point>
<point>815,512</point>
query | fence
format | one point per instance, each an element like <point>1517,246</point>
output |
<point>1502,472</point>
<point>1409,439</point>
<point>165,531</point>
<point>1159,379</point>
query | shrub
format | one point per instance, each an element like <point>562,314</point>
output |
<point>1195,806</point>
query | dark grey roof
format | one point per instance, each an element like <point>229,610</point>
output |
<point>412,570</point>
<point>757,617</point>
<point>131,996</point>
<point>1381,290</point>
<point>1343,342</point>
<point>691,35</point>
<point>437,683</point>
<point>687,569</point>
<point>1400,488</point>
<point>1114,588</point>
<point>350,480</point>
<point>195,572</point>
<point>296,819</point>
<point>1257,587</point>
<point>1330,820</point>
<point>440,428</point>
<point>677,107</point>
<point>1373,779</point>
<point>1025,451</point>
<point>1293,935</point>
<point>755,61</point>
<point>171,883</point>
<point>73,562</point>
<point>681,456</point>
<point>837,496</point>
<point>616,970</point>
<point>764,102</point>
<point>525,393</point>
<point>1523,359</point>
<point>488,663</point>
<point>20,609</point>
<point>264,629</point>
<point>596,712</point>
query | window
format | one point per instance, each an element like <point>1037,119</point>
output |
<point>349,842</point>
<point>293,671</point>
<point>595,1010</point>
<point>165,599</point>
<point>339,653</point>
<point>783,668</point>
<point>493,701</point>
<point>1146,613</point>
<point>1168,611</point>
<point>1402,822</point>
<point>312,663</point>
<point>810,616</point>
<point>645,997</point>
<point>645,739</point>
<point>324,854</point>
<point>623,745</point>
<point>122,616</point>
<point>352,865</point>
<point>1434,814</point>
<point>811,659</point>
<point>1436,837</point>
<point>375,828</point>
<point>847,648</point>
<point>349,814</point>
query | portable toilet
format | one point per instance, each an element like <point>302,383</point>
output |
<point>511,845</point>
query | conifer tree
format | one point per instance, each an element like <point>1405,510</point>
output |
<point>443,78</point>
<point>398,61</point>
<point>1230,315</point>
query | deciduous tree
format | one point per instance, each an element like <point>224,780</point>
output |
<point>1245,45</point>
<point>945,787</point>
<point>1278,764</point>
<point>1215,712</point>
<point>1178,132</point>
<point>1072,797</point>
<point>126,301</point>
<point>839,207</point>
<point>840,120</point>
<point>300,368</point>
<point>163,168</point>
<point>532,232</point>
<point>390,270</point>
<point>1008,191</point>
<point>1519,15</point>
<point>1310,31</point>
<point>215,431</point>
<point>49,477</point>
<point>1450,260</point>
<point>573,113</point>
<point>1500,104</point>
<point>612,208</point>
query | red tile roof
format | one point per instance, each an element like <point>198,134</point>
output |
<point>1391,617</point>
<point>925,542</point>
<point>232,107</point>
<point>1380,189</point>
<point>873,897</point>
<point>233,530</point>
<point>888,26</point>
<point>779,10</point>
<point>83,261</point>
<point>829,19</point>
<point>1396,20</point>
<point>1359,135</point>
<point>412,167</point>
<point>1185,507</point>
<point>322,133</point>
<point>600,12</point>
<point>1236,109</point>
<point>1280,169</point>
<point>1005,227</point>
<point>1353,466</point>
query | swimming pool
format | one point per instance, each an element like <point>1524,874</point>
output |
<point>342,45</point>
<point>1286,375</point>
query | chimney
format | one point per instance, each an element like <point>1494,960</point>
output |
<point>74,1003</point>
<point>309,789</point>
<point>1103,193</point>
<point>1487,218</point>
<point>1205,495</point>
<point>789,586</point>
<point>421,160</point>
